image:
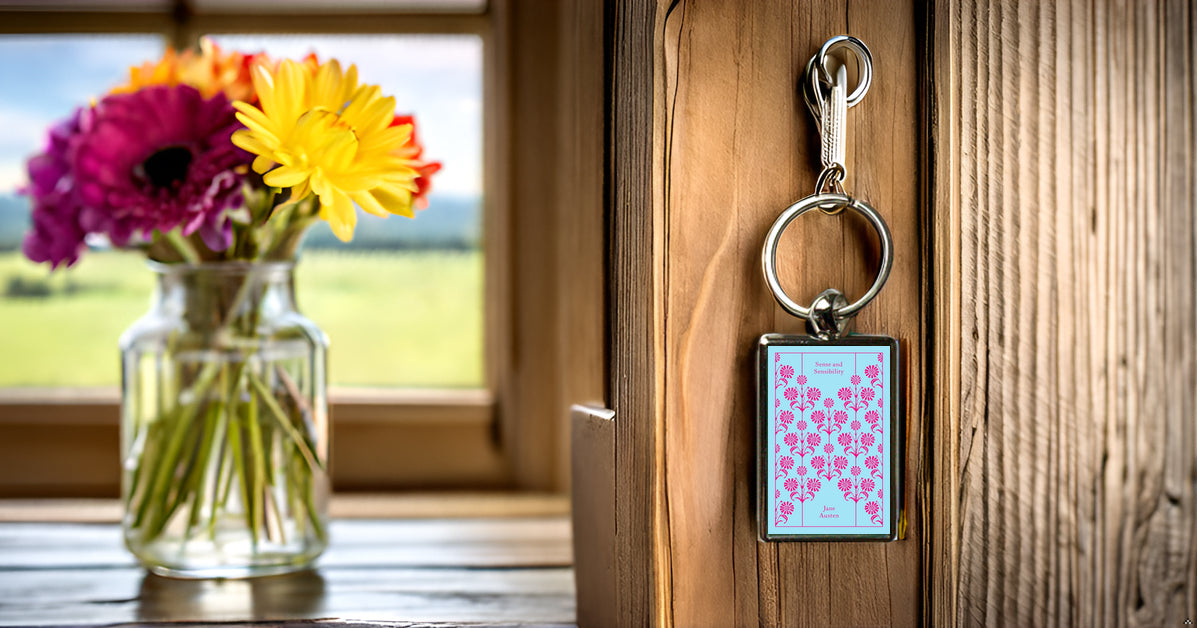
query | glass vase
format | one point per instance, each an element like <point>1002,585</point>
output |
<point>224,431</point>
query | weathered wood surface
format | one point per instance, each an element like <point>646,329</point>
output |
<point>494,571</point>
<point>633,195</point>
<point>740,146</point>
<point>1064,207</point>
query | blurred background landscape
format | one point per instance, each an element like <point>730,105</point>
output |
<point>402,303</point>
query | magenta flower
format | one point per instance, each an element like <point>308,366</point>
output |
<point>56,236</point>
<point>828,448</point>
<point>868,439</point>
<point>828,402</point>
<point>791,439</point>
<point>840,417</point>
<point>872,462</point>
<point>868,394</point>
<point>856,470</point>
<point>872,371</point>
<point>872,508</point>
<point>813,485</point>
<point>802,380</point>
<point>818,463</point>
<point>776,493</point>
<point>855,380</point>
<point>776,403</point>
<point>844,485</point>
<point>786,417</point>
<point>868,484</point>
<point>786,462</point>
<point>880,493</point>
<point>856,425</point>
<point>776,447</point>
<point>157,159</point>
<point>813,394</point>
<point>790,485</point>
<point>840,463</point>
<point>845,393</point>
<point>872,417</point>
<point>880,358</point>
<point>787,508</point>
<point>791,394</point>
<point>844,439</point>
<point>801,425</point>
<point>802,471</point>
<point>814,439</point>
<point>818,417</point>
<point>786,371</point>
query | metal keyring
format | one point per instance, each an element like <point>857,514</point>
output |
<point>820,201</point>
<point>815,71</point>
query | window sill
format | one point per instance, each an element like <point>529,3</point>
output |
<point>413,558</point>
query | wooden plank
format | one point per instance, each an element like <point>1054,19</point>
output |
<point>499,571</point>
<point>479,543</point>
<point>454,596</point>
<point>594,516</point>
<point>429,505</point>
<point>1066,160</point>
<point>741,146</point>
<point>634,193</point>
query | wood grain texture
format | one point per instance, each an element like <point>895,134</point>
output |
<point>633,199</point>
<point>507,571</point>
<point>1065,208</point>
<point>740,147</point>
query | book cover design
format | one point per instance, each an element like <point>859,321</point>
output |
<point>828,446</point>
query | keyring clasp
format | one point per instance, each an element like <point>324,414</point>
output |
<point>824,201</point>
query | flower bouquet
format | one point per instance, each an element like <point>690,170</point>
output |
<point>214,164</point>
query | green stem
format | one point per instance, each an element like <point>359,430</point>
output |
<point>258,473</point>
<point>276,411</point>
<point>185,248</point>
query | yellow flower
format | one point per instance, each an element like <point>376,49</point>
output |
<point>321,132</point>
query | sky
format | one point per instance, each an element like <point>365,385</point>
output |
<point>439,78</point>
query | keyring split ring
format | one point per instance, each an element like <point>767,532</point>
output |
<point>816,72</point>
<point>820,201</point>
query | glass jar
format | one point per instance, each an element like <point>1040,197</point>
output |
<point>224,430</point>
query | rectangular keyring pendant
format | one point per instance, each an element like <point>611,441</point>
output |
<point>830,449</point>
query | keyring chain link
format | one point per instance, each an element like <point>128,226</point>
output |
<point>829,101</point>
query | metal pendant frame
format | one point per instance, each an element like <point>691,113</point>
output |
<point>891,528</point>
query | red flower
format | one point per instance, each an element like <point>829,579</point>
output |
<point>868,394</point>
<point>791,439</point>
<point>856,471</point>
<point>872,417</point>
<point>855,425</point>
<point>814,439</point>
<point>828,448</point>
<point>872,371</point>
<point>844,440</point>
<point>787,508</point>
<point>855,380</point>
<point>813,485</point>
<point>813,394</point>
<point>828,402</point>
<point>425,169</point>
<point>791,394</point>
<point>868,440</point>
<point>844,485</point>
<point>872,508</point>
<point>786,462</point>
<point>802,380</point>
<point>844,393</point>
<point>786,417</point>
<point>840,463</point>
<point>868,484</point>
<point>790,485</point>
<point>786,371</point>
<point>802,471</point>
<point>840,417</point>
<point>818,463</point>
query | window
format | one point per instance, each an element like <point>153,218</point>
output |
<point>490,423</point>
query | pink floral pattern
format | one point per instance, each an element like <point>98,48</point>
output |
<point>829,442</point>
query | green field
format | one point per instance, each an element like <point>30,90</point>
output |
<point>411,319</point>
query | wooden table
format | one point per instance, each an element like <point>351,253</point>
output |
<point>492,570</point>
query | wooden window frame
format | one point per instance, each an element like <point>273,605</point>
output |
<point>543,277</point>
